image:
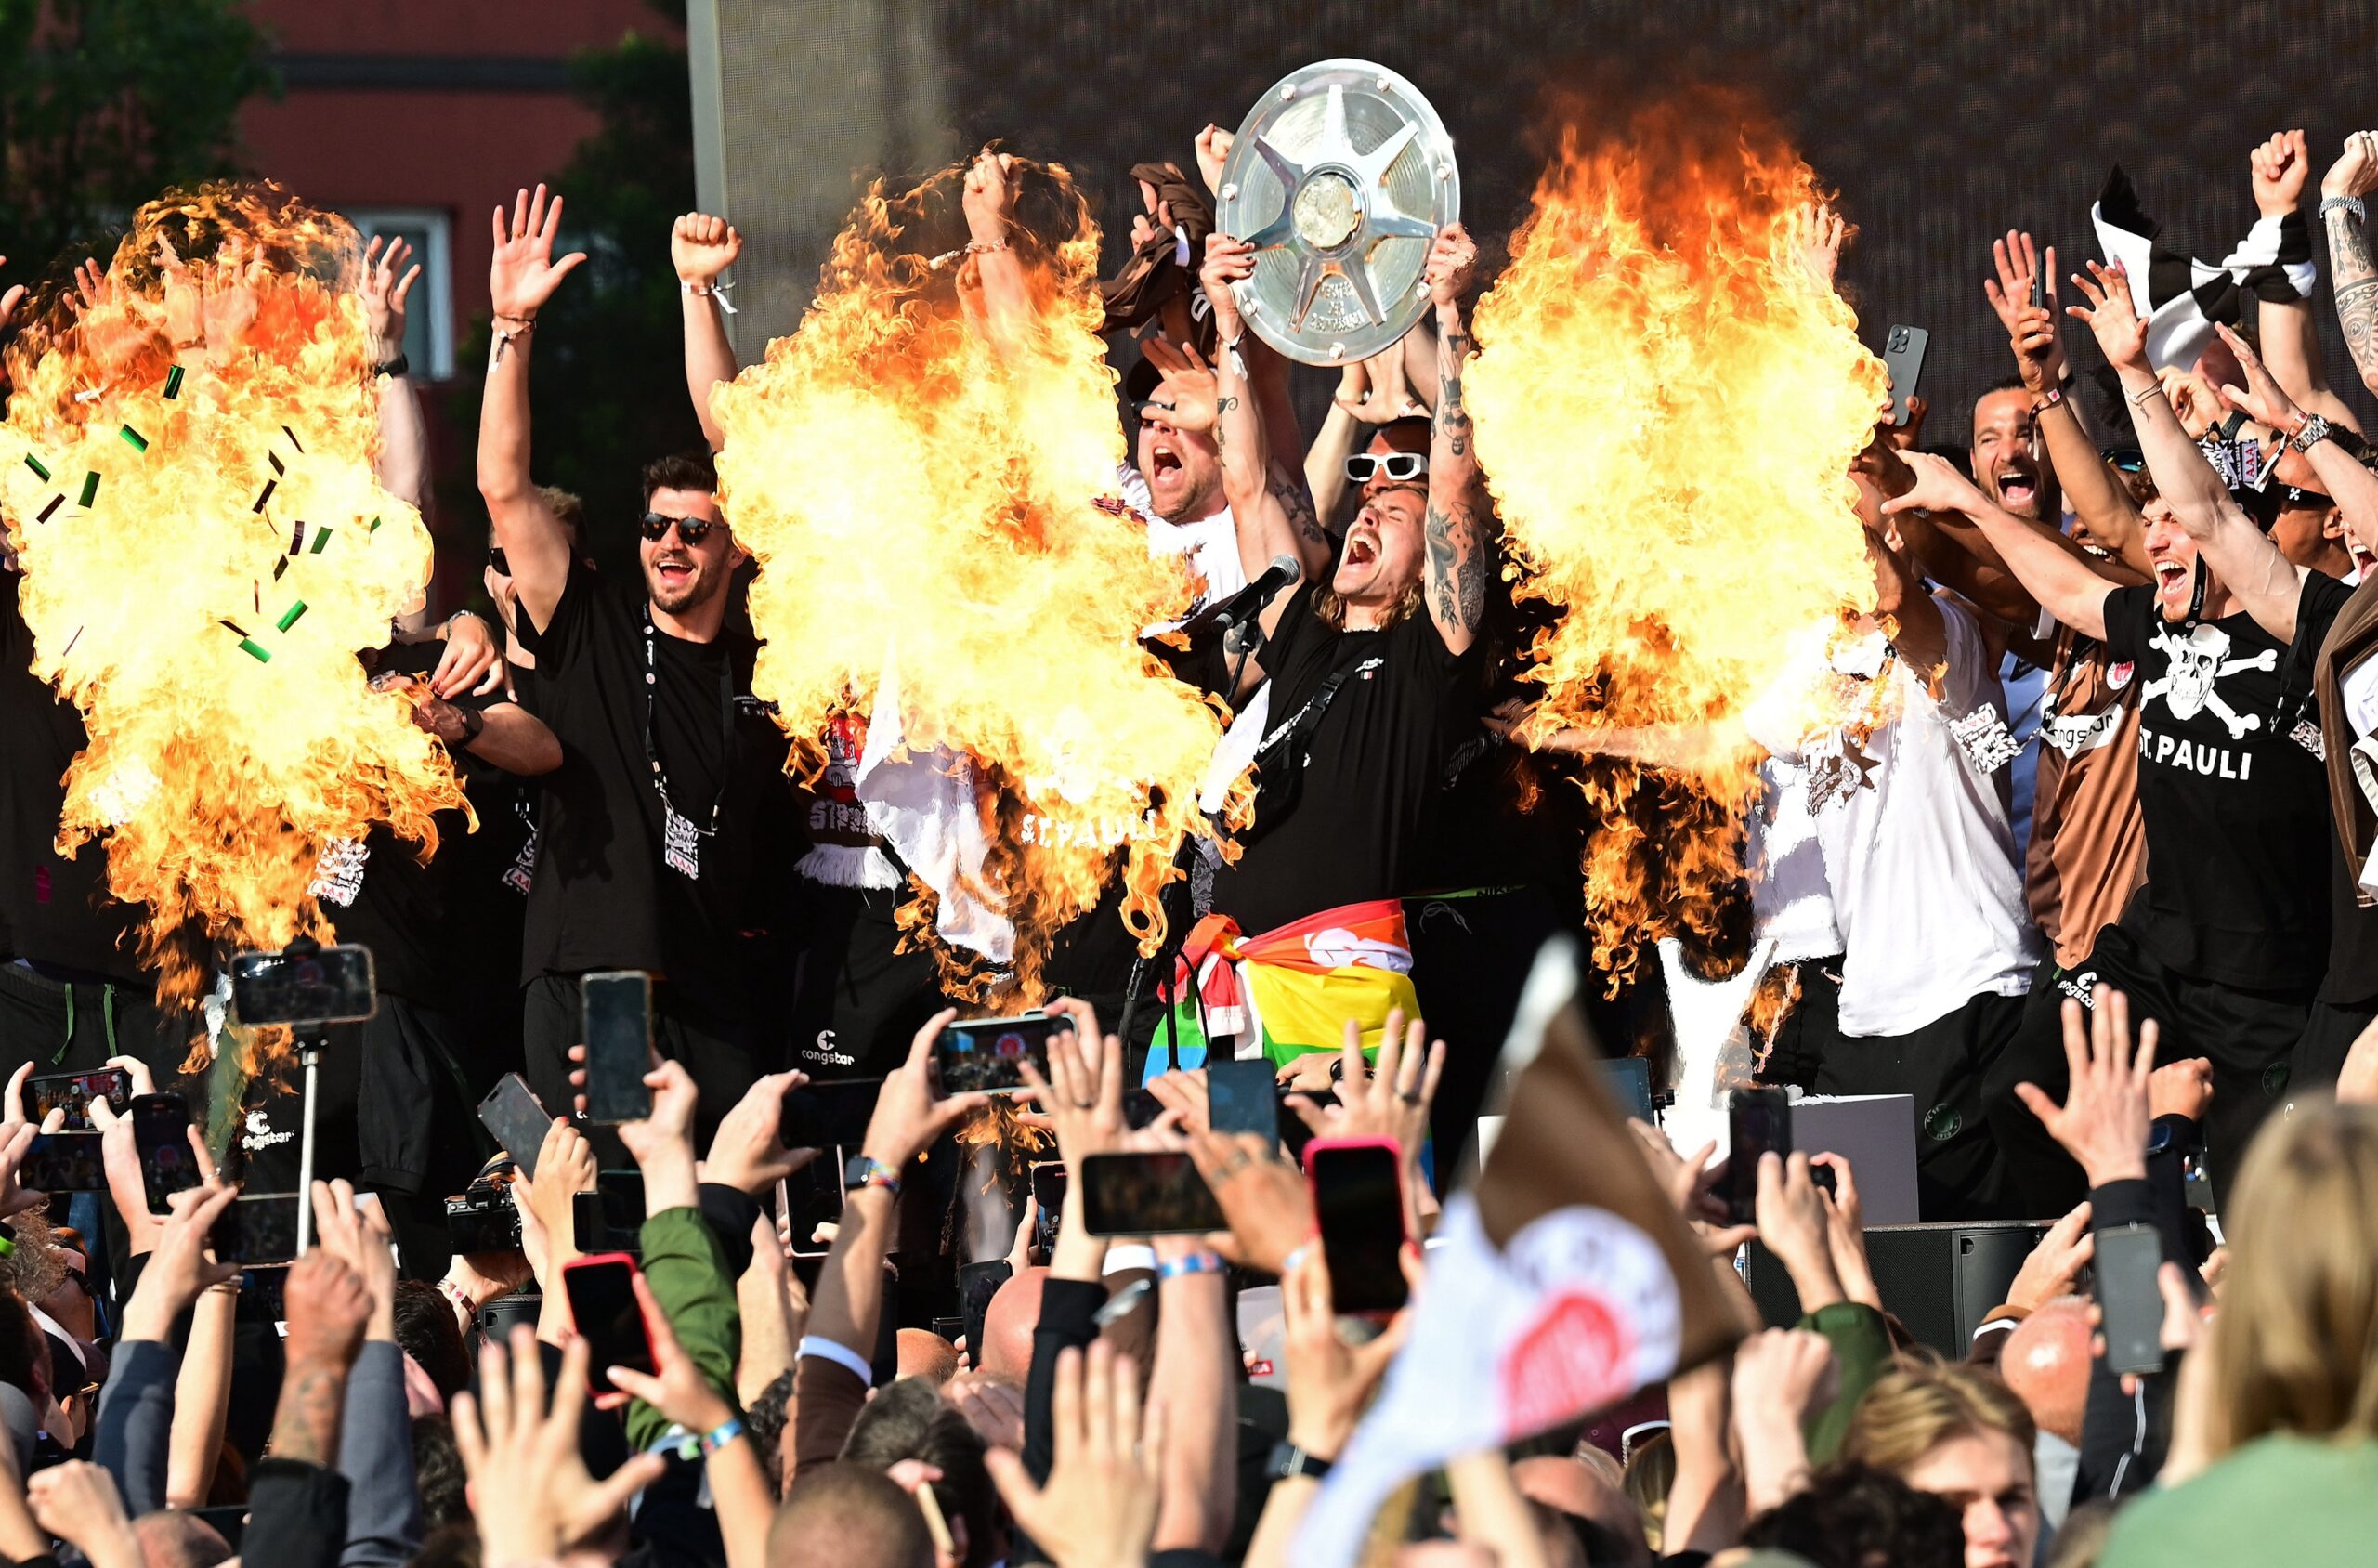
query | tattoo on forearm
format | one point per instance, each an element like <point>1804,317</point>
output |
<point>305,1426</point>
<point>2354,281</point>
<point>1452,419</point>
<point>1223,405</point>
<point>1289,491</point>
<point>1456,564</point>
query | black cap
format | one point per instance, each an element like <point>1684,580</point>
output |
<point>1139,383</point>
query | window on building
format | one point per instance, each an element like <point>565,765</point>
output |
<point>429,310</point>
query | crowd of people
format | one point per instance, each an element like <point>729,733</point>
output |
<point>2144,621</point>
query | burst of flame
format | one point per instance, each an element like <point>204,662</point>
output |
<point>919,498</point>
<point>205,550</point>
<point>1667,401</point>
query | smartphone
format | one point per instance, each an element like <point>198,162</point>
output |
<point>1048,1181</point>
<point>1243,1097</point>
<point>1757,1120</point>
<point>1154,1192</point>
<point>161,1135</point>
<point>2127,1258</point>
<point>1141,1108</point>
<point>517,1122</point>
<point>1628,1078</point>
<point>2039,287</point>
<point>617,1010</point>
<point>950,1329</point>
<point>987,1054</point>
<point>811,1196</point>
<point>73,1092</point>
<point>1904,358</point>
<point>603,1309</point>
<point>610,1219</point>
<point>500,1317</point>
<point>256,1228</point>
<point>265,1293</point>
<point>304,984</point>
<point>828,1116</point>
<point>64,1162</point>
<point>1358,1200</point>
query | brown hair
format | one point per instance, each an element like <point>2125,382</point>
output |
<point>568,509</point>
<point>1910,1412</point>
<point>1329,607</point>
<point>680,470</point>
<point>2295,1344</point>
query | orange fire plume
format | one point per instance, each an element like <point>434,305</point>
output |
<point>205,548</point>
<point>920,484</point>
<point>1667,401</point>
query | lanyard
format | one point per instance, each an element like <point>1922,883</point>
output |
<point>726,727</point>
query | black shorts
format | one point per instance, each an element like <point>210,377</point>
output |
<point>856,1000</point>
<point>2320,1053</point>
<point>2247,1036</point>
<point>1804,1038</point>
<point>1942,1065</point>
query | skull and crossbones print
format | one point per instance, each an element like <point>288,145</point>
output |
<point>2199,659</point>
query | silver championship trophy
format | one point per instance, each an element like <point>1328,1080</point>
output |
<point>1340,178</point>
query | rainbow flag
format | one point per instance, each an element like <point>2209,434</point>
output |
<point>1292,988</point>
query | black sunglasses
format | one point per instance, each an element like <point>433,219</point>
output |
<point>1399,466</point>
<point>693,530</point>
<point>496,562</point>
<point>2130,460</point>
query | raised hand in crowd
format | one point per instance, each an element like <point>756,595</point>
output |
<point>522,274</point>
<point>1187,384</point>
<point>78,1503</point>
<point>2103,1122</point>
<point>663,1142</point>
<point>2021,268</point>
<point>2111,315</point>
<point>1818,234</point>
<point>1691,1182</point>
<point>2180,1089</point>
<point>2052,1269</point>
<point>2281,165</point>
<point>530,1488</point>
<point>1845,1230</point>
<point>701,247</point>
<point>357,1235</point>
<point>1389,1098</point>
<point>748,1152</point>
<point>330,1307</point>
<point>179,1266</point>
<point>1793,1224</point>
<point>739,1488</point>
<point>1213,151</point>
<point>1098,1508</point>
<point>1266,1199</point>
<point>548,1234</point>
<point>1782,1378</point>
<point>387,283</point>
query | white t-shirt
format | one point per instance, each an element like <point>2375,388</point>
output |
<point>1918,854</point>
<point>1791,902</point>
<point>1210,544</point>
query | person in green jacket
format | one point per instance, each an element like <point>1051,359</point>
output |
<point>2274,1455</point>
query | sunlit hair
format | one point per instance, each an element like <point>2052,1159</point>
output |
<point>2295,1346</point>
<point>2139,483</point>
<point>1909,1413</point>
<point>1330,606</point>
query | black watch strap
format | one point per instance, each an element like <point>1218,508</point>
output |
<point>1288,1461</point>
<point>397,366</point>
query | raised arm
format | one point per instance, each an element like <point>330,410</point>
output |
<point>2049,566</point>
<point>2342,479</point>
<point>403,462</point>
<point>2353,275</point>
<point>988,200</point>
<point>522,276</point>
<point>702,248</point>
<point>1460,555</point>
<point>2104,507</point>
<point>2265,582</point>
<point>2291,348</point>
<point>1267,525</point>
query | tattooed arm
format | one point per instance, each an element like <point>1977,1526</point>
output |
<point>2353,276</point>
<point>329,1308</point>
<point>1459,553</point>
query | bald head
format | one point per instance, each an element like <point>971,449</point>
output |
<point>924,1353</point>
<point>1014,1313</point>
<point>2046,1363</point>
<point>847,1515</point>
<point>170,1538</point>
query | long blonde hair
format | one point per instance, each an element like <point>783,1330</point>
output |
<point>2295,1345</point>
<point>1910,1412</point>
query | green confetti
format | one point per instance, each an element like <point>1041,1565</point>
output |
<point>322,537</point>
<point>289,617</point>
<point>138,441</point>
<point>375,528</point>
<point>249,646</point>
<point>90,489</point>
<point>34,463</point>
<point>174,382</point>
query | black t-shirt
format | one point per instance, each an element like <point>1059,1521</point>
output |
<point>604,897</point>
<point>2235,802</point>
<point>1338,818</point>
<point>445,933</point>
<point>57,912</point>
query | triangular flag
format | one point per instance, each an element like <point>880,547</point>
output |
<point>1565,1282</point>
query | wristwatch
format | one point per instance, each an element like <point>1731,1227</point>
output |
<point>1288,1461</point>
<point>473,721</point>
<point>397,366</point>
<point>865,1170</point>
<point>2313,431</point>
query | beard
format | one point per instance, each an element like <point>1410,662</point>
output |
<point>695,592</point>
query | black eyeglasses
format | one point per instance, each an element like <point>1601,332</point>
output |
<point>1398,466</point>
<point>693,530</point>
<point>496,562</point>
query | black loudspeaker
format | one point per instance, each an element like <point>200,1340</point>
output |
<point>1939,1281</point>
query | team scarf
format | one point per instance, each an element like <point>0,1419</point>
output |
<point>1288,992</point>
<point>2179,297</point>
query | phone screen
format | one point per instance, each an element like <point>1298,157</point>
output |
<point>256,1228</point>
<point>161,1134</point>
<point>811,1196</point>
<point>73,1092</point>
<point>1759,1120</point>
<point>517,1121</point>
<point>618,1013</point>
<point>828,1116</point>
<point>1243,1097</point>
<point>1152,1193</point>
<point>603,1307</point>
<point>1630,1081</point>
<point>65,1162</point>
<point>987,1054</point>
<point>1049,1181</point>
<point>323,985</point>
<point>1358,1199</point>
<point>2127,1258</point>
<point>610,1219</point>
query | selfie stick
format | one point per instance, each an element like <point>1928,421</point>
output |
<point>309,1054</point>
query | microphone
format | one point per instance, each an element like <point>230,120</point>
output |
<point>1249,602</point>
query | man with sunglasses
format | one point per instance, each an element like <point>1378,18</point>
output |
<point>656,825</point>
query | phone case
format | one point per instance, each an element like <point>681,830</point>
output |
<point>595,1379</point>
<point>1323,1145</point>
